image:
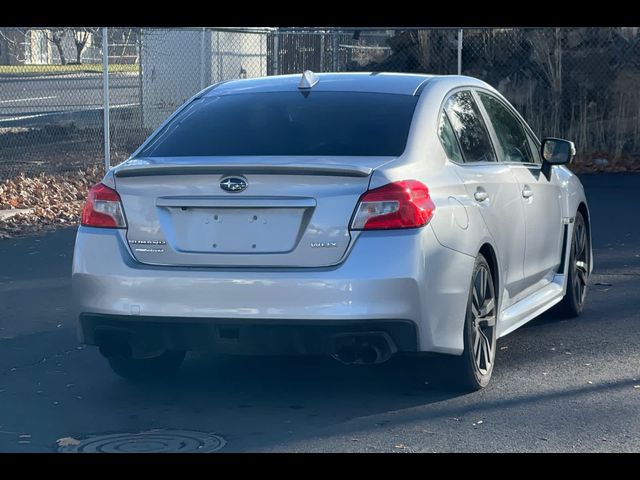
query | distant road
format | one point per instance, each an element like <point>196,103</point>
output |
<point>29,97</point>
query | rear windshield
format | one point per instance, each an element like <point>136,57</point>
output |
<point>288,123</point>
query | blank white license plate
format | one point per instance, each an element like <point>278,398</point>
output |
<point>236,230</point>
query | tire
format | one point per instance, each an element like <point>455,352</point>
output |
<point>577,269</point>
<point>138,369</point>
<point>472,370</point>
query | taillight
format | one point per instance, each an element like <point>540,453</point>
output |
<point>404,204</point>
<point>103,208</point>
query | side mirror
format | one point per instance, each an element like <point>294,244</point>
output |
<point>556,151</point>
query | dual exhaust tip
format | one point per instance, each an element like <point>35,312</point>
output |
<point>358,348</point>
<point>366,348</point>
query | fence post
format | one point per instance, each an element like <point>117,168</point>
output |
<point>276,53</point>
<point>219,56</point>
<point>459,51</point>
<point>202,40</point>
<point>322,52</point>
<point>105,97</point>
<point>140,80</point>
<point>334,50</point>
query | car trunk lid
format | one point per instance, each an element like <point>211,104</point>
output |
<point>293,212</point>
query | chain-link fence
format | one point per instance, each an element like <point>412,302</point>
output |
<point>577,83</point>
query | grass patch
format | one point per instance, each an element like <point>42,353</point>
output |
<point>61,69</point>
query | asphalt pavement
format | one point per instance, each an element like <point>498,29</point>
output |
<point>23,99</point>
<point>558,385</point>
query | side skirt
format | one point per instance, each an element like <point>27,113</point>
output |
<point>530,307</point>
<point>539,302</point>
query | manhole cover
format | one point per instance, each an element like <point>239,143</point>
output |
<point>156,441</point>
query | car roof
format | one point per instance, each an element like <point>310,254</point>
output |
<point>369,82</point>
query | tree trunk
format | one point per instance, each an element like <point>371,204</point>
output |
<point>79,49</point>
<point>58,43</point>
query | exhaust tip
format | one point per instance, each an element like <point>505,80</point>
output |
<point>370,354</point>
<point>362,348</point>
<point>114,348</point>
<point>345,354</point>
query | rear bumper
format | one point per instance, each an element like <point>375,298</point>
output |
<point>233,336</point>
<point>394,276</point>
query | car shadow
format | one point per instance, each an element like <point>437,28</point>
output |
<point>258,401</point>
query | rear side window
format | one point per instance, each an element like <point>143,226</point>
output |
<point>289,123</point>
<point>469,128</point>
<point>448,139</point>
<point>510,133</point>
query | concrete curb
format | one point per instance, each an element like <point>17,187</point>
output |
<point>6,214</point>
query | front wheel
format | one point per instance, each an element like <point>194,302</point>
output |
<point>577,270</point>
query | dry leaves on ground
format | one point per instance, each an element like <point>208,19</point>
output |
<point>56,200</point>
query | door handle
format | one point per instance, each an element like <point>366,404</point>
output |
<point>527,192</point>
<point>480,195</point>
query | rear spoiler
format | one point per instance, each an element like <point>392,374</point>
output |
<point>244,168</point>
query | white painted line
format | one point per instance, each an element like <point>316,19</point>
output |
<point>64,112</point>
<point>24,117</point>
<point>125,105</point>
<point>28,99</point>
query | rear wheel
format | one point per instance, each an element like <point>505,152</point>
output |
<point>577,270</point>
<point>147,368</point>
<point>472,370</point>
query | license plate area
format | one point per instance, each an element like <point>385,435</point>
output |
<point>234,230</point>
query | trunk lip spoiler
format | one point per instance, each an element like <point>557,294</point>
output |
<point>240,169</point>
<point>216,201</point>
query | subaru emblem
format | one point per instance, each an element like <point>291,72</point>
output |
<point>233,184</point>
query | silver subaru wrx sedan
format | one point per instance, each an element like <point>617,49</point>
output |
<point>359,215</point>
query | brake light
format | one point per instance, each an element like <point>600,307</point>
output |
<point>103,208</point>
<point>404,204</point>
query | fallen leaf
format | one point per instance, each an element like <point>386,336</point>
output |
<point>67,441</point>
<point>55,200</point>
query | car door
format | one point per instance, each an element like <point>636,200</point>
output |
<point>491,186</point>
<point>539,196</point>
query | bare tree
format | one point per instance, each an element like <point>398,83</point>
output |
<point>53,35</point>
<point>81,36</point>
<point>546,53</point>
<point>56,36</point>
